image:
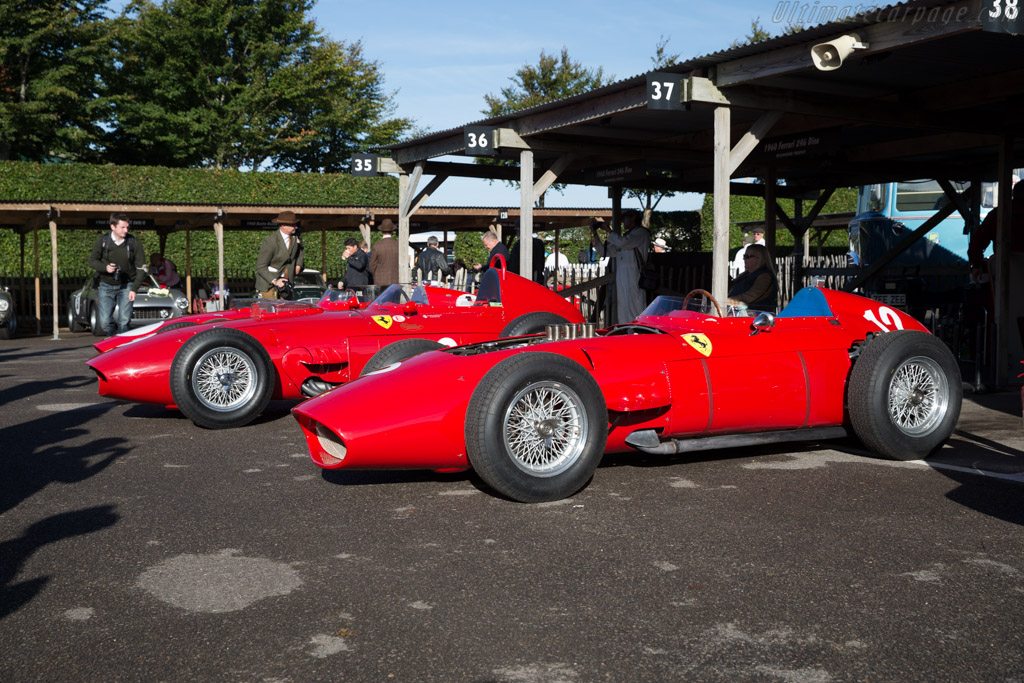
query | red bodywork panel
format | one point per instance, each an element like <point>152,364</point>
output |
<point>304,341</point>
<point>703,376</point>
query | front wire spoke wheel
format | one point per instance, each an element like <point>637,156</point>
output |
<point>545,428</point>
<point>918,396</point>
<point>224,378</point>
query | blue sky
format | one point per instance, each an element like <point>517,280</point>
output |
<point>442,57</point>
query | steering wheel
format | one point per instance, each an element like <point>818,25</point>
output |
<point>707,295</point>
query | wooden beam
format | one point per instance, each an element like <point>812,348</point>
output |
<point>752,138</point>
<point>551,175</point>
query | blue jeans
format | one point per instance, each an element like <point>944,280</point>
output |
<point>108,296</point>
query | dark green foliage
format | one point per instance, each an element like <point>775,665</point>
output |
<point>26,181</point>
<point>51,55</point>
<point>752,209</point>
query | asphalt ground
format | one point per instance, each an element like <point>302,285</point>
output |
<point>136,546</point>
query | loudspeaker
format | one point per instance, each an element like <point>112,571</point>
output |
<point>829,56</point>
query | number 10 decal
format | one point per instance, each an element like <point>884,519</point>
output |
<point>888,317</point>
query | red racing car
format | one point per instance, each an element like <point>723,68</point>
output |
<point>221,369</point>
<point>533,416</point>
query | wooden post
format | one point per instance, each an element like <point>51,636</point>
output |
<point>404,271</point>
<point>323,252</point>
<point>1001,255</point>
<point>720,187</point>
<point>218,231</point>
<point>188,267</point>
<point>526,199</point>
<point>53,251</point>
<point>39,304</point>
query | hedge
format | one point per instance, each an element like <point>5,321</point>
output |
<point>22,181</point>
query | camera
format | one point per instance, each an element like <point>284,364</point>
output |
<point>116,274</point>
<point>286,290</point>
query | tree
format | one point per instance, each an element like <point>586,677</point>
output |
<point>552,78</point>
<point>757,34</point>
<point>50,60</point>
<point>241,84</point>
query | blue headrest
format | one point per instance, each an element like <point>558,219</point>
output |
<point>809,302</point>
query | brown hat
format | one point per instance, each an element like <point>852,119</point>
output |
<point>387,226</point>
<point>286,218</point>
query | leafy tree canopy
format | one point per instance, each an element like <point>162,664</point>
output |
<point>241,84</point>
<point>51,53</point>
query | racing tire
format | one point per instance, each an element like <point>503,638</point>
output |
<point>904,394</point>
<point>536,427</point>
<point>531,323</point>
<point>399,351</point>
<point>73,324</point>
<point>222,378</point>
<point>94,322</point>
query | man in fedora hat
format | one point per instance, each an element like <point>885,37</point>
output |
<point>384,256</point>
<point>280,256</point>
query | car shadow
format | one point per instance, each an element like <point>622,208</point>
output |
<point>37,453</point>
<point>22,390</point>
<point>14,553</point>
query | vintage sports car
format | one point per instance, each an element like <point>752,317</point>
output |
<point>533,416</point>
<point>221,369</point>
<point>152,303</point>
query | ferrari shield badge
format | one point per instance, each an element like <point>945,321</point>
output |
<point>698,341</point>
<point>382,320</point>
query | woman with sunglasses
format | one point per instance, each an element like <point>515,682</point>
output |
<point>757,287</point>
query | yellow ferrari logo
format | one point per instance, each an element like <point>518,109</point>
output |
<point>699,342</point>
<point>382,320</point>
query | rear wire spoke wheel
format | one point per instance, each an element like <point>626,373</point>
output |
<point>536,427</point>
<point>222,378</point>
<point>918,396</point>
<point>904,394</point>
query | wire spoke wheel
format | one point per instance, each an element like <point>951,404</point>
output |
<point>545,428</point>
<point>224,378</point>
<point>918,396</point>
<point>904,394</point>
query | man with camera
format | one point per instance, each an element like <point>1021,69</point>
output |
<point>280,258</point>
<point>120,262</point>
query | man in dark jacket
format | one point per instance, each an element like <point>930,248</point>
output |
<point>495,247</point>
<point>358,273</point>
<point>431,262</point>
<point>537,246</point>
<point>120,262</point>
